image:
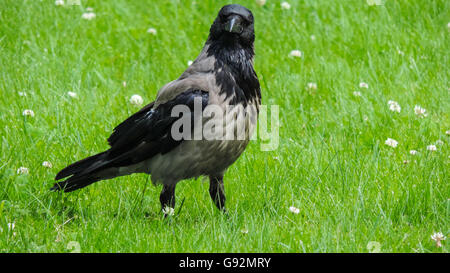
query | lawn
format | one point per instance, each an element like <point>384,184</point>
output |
<point>353,192</point>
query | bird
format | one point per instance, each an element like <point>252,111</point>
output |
<point>220,90</point>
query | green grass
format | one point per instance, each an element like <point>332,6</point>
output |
<point>331,162</point>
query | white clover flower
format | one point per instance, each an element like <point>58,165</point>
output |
<point>420,112</point>
<point>152,31</point>
<point>394,106</point>
<point>448,26</point>
<point>312,85</point>
<point>313,37</point>
<point>11,226</point>
<point>124,84</point>
<point>22,94</point>
<point>260,2</point>
<point>374,247</point>
<point>72,94</point>
<point>59,2</point>
<point>285,5</point>
<point>74,2</point>
<point>439,142</point>
<point>168,211</point>
<point>244,231</point>
<point>356,93</point>
<point>294,210</point>
<point>447,132</point>
<point>391,142</point>
<point>296,53</point>
<point>89,9</point>
<point>413,152</point>
<point>136,100</point>
<point>431,147</point>
<point>74,247</point>
<point>88,15</point>
<point>189,63</point>
<point>438,237</point>
<point>47,164</point>
<point>363,85</point>
<point>28,112</point>
<point>374,2</point>
<point>22,170</point>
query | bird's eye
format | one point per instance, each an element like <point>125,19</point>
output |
<point>223,17</point>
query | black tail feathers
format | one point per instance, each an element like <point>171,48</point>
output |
<point>81,166</point>
<point>82,173</point>
<point>74,183</point>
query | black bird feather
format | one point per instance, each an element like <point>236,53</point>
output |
<point>148,126</point>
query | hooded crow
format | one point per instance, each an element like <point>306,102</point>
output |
<point>219,93</point>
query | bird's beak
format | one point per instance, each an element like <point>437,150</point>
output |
<point>234,25</point>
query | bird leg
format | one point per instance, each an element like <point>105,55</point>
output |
<point>217,191</point>
<point>167,196</point>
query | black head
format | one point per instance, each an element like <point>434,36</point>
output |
<point>234,23</point>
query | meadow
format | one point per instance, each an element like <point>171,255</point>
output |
<point>362,163</point>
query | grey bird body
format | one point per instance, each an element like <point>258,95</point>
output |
<point>194,158</point>
<point>222,76</point>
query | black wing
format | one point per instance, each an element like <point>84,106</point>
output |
<point>148,132</point>
<point>141,136</point>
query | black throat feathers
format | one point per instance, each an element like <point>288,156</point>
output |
<point>234,71</point>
